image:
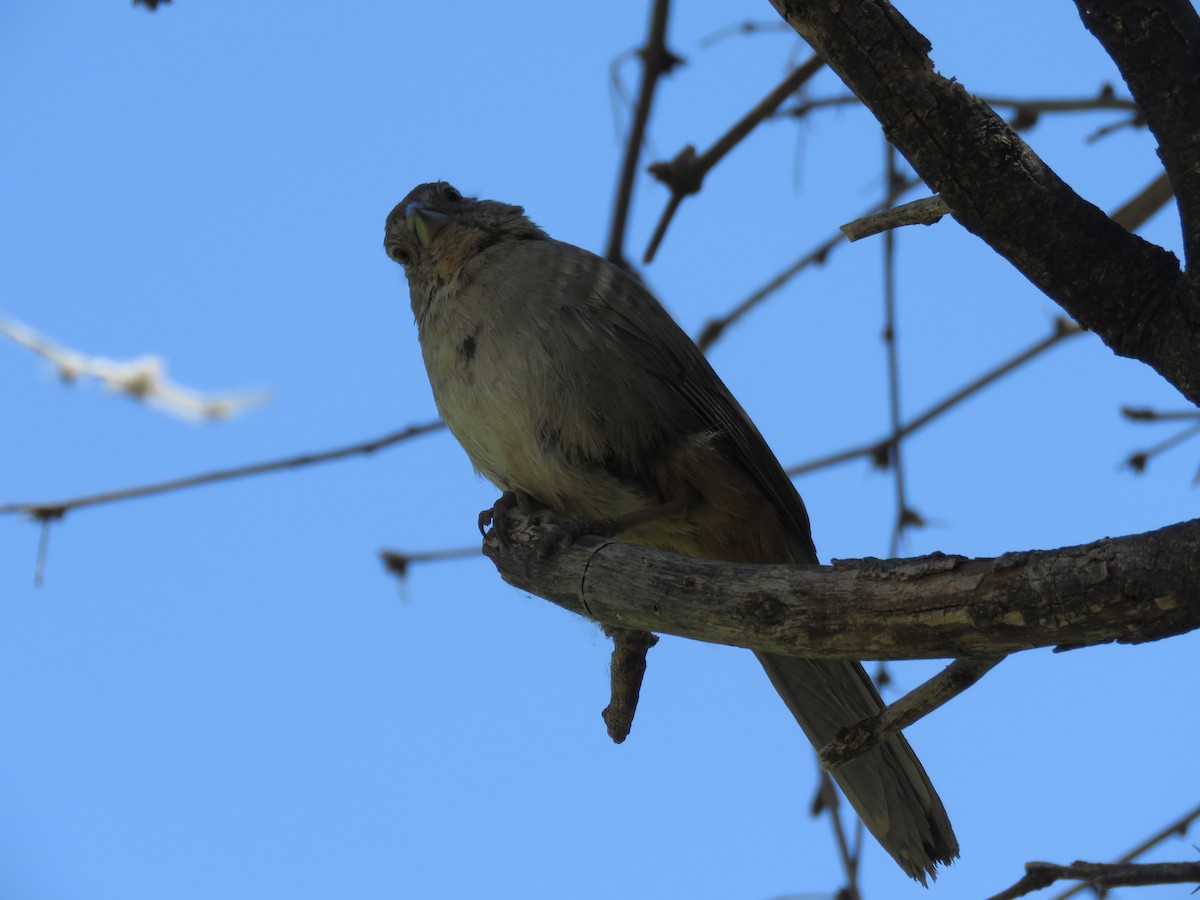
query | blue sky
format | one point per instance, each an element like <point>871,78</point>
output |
<point>220,693</point>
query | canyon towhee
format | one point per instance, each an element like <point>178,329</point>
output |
<point>566,381</point>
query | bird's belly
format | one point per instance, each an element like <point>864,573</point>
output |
<point>501,399</point>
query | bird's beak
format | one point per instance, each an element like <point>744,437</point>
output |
<point>424,221</point>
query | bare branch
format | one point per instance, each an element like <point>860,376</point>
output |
<point>1178,828</point>
<point>1157,48</point>
<point>930,210</point>
<point>880,450</point>
<point>857,739</point>
<point>627,669</point>
<point>906,517</point>
<point>829,799</point>
<point>925,211</point>
<point>398,562</point>
<point>1128,291</point>
<point>747,27</point>
<point>1139,459</point>
<point>1040,875</point>
<point>657,61</point>
<point>47,511</point>
<point>1025,113</point>
<point>714,328</point>
<point>1131,589</point>
<point>1145,414</point>
<point>144,379</point>
<point>685,173</point>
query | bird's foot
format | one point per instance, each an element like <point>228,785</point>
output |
<point>497,516</point>
<point>563,532</point>
<point>556,530</point>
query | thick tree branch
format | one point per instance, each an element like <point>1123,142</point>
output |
<point>1156,45</point>
<point>1129,590</point>
<point>1130,292</point>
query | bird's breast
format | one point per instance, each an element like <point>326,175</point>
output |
<point>507,399</point>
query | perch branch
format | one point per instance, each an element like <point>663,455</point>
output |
<point>1130,589</point>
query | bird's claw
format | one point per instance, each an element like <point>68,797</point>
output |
<point>557,531</point>
<point>566,532</point>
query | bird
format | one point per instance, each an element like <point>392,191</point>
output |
<point>567,382</point>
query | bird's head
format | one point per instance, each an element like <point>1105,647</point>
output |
<point>435,231</point>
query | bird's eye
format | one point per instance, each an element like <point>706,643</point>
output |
<point>399,254</point>
<point>451,194</point>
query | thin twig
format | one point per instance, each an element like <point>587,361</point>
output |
<point>657,61</point>
<point>929,210</point>
<point>1178,828</point>
<point>1026,112</point>
<point>1145,414</point>
<point>1132,215</point>
<point>46,511</point>
<point>1141,458</point>
<point>925,211</point>
<point>714,328</point>
<point>828,799</point>
<point>685,174</point>
<point>398,563</point>
<point>1040,875</point>
<point>747,27</point>
<point>905,516</point>
<point>857,739</point>
<point>880,450</point>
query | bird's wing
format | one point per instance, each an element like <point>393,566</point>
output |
<point>663,351</point>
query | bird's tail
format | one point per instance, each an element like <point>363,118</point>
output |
<point>887,785</point>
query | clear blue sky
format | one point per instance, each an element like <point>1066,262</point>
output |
<point>220,693</point>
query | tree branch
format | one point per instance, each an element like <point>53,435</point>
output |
<point>881,450</point>
<point>45,512</point>
<point>926,211</point>
<point>1157,48</point>
<point>1178,828</point>
<point>1039,875</point>
<point>657,61</point>
<point>684,174</point>
<point>1130,292</point>
<point>626,671</point>
<point>1131,589</point>
<point>855,740</point>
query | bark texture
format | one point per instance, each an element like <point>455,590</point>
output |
<point>1129,590</point>
<point>1132,293</point>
